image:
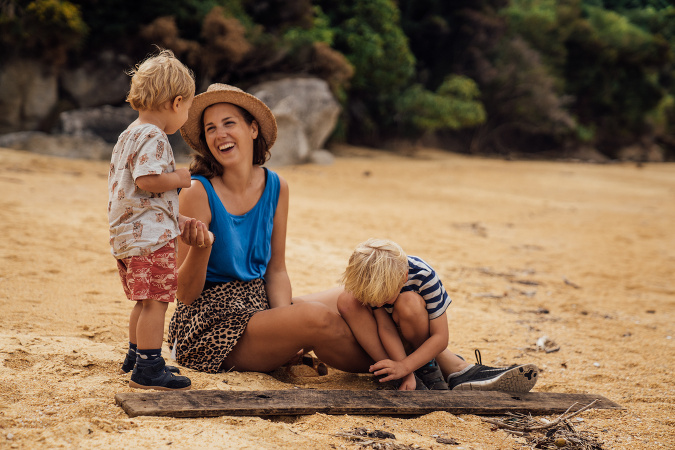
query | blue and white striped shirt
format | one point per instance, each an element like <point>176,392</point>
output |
<point>422,280</point>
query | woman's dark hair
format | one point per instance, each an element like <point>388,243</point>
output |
<point>205,164</point>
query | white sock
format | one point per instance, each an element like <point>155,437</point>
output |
<point>464,370</point>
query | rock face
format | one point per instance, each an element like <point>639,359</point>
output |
<point>28,95</point>
<point>305,109</point>
<point>84,147</point>
<point>306,113</point>
<point>100,82</point>
<point>107,122</point>
<point>88,133</point>
<point>643,152</point>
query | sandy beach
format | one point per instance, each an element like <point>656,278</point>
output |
<point>582,254</point>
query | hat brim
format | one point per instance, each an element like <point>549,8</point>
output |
<point>192,128</point>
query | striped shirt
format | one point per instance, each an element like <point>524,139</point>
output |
<point>422,279</point>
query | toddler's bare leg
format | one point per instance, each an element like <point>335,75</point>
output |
<point>133,321</point>
<point>150,326</point>
<point>410,314</point>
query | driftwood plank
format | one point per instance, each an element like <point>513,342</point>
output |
<point>211,403</point>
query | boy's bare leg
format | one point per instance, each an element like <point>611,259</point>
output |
<point>150,325</point>
<point>274,336</point>
<point>363,325</point>
<point>412,318</point>
<point>428,339</point>
<point>450,363</point>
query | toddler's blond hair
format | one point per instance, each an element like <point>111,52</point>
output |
<point>376,271</point>
<point>159,79</point>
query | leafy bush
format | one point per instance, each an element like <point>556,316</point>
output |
<point>44,28</point>
<point>454,105</point>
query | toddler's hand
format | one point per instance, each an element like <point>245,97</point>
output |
<point>182,220</point>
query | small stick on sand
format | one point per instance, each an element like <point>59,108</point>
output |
<point>563,416</point>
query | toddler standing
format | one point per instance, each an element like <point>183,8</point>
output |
<point>143,185</point>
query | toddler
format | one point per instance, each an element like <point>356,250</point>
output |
<point>143,185</point>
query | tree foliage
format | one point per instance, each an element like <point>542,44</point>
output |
<point>43,27</point>
<point>613,61</point>
<point>501,75</point>
<point>453,106</point>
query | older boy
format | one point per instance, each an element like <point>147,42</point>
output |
<point>395,306</point>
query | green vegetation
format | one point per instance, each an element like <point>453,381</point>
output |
<point>502,76</point>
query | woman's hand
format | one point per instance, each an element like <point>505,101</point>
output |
<point>196,234</point>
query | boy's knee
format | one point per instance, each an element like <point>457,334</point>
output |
<point>155,305</point>
<point>409,304</point>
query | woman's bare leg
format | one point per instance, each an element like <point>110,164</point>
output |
<point>328,298</point>
<point>274,336</point>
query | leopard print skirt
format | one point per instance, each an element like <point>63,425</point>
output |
<point>202,334</point>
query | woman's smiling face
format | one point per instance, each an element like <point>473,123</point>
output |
<point>227,133</point>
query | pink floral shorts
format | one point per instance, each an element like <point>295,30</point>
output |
<point>150,277</point>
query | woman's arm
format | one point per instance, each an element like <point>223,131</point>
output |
<point>277,283</point>
<point>192,260</point>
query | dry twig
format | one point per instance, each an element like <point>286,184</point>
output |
<point>524,428</point>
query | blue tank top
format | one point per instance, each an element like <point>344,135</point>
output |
<point>243,245</point>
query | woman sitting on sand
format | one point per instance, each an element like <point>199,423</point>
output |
<point>234,309</point>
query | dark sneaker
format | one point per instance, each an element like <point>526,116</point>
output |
<point>483,378</point>
<point>157,376</point>
<point>130,362</point>
<point>431,376</point>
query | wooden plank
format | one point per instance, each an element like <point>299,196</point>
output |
<point>211,403</point>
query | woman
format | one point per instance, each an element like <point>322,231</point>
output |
<point>234,293</point>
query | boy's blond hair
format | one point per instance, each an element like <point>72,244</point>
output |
<point>376,271</point>
<point>159,79</point>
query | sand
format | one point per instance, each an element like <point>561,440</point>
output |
<point>582,254</point>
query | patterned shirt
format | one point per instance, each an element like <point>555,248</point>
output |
<point>140,221</point>
<point>422,279</point>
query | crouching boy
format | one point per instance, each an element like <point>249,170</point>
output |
<point>395,305</point>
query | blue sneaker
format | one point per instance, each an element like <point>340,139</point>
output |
<point>431,376</point>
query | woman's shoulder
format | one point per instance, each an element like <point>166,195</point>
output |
<point>276,179</point>
<point>194,201</point>
<point>197,188</point>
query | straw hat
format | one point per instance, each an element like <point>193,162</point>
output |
<point>224,93</point>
